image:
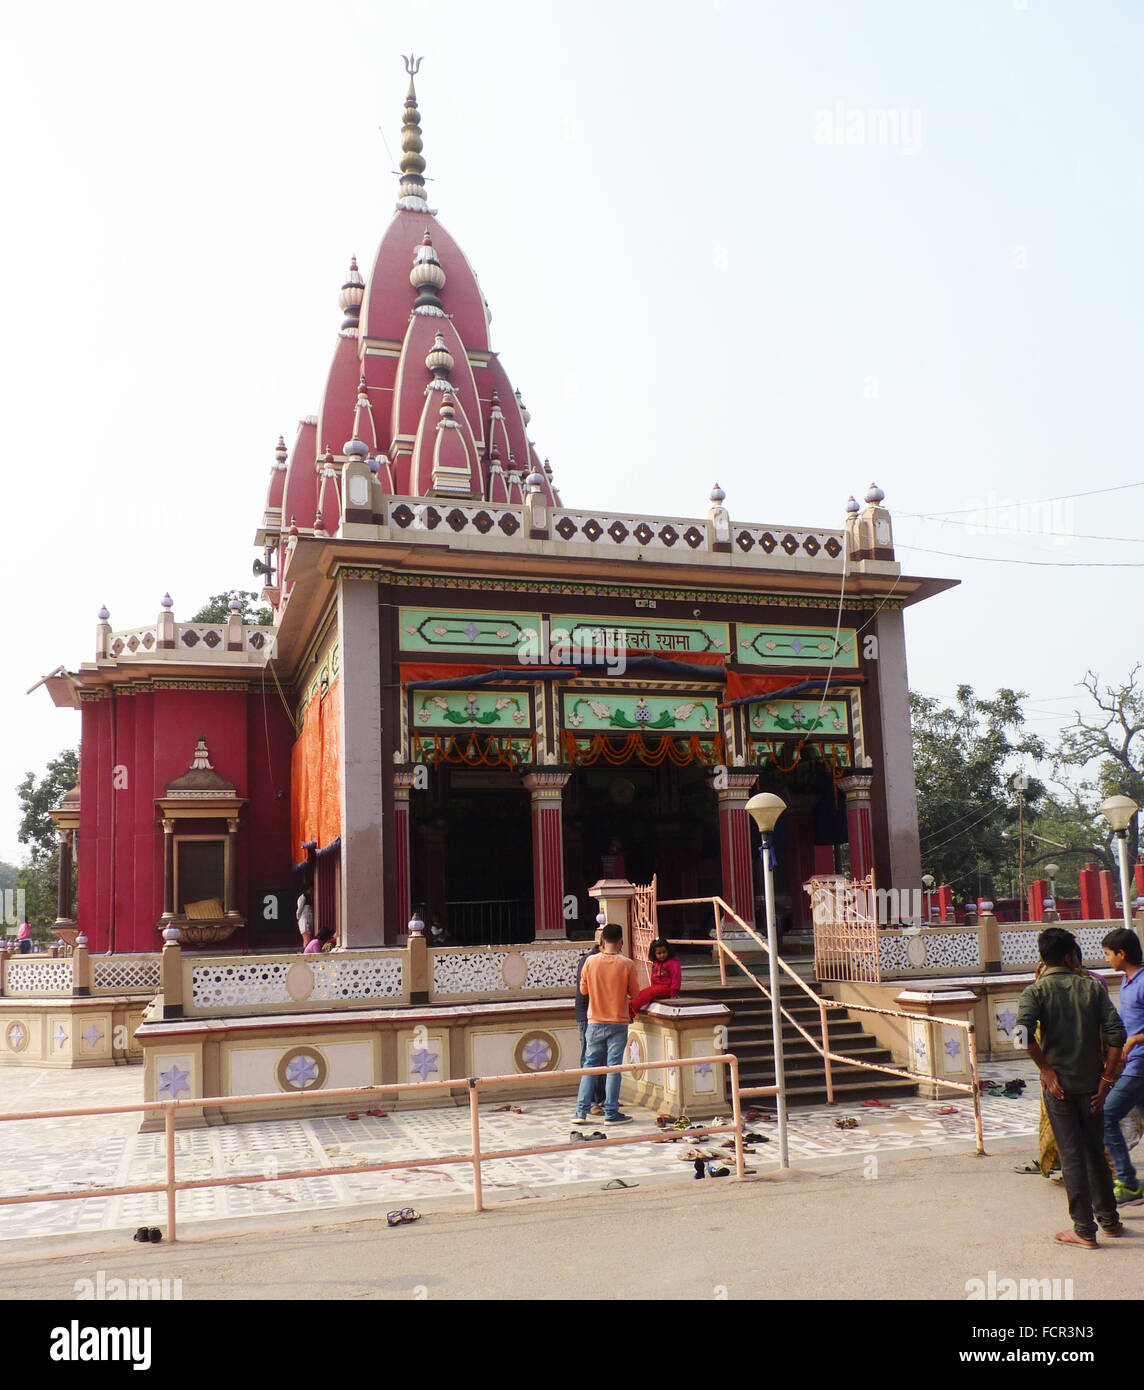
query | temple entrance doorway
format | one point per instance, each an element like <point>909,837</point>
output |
<point>471,857</point>
<point>634,822</point>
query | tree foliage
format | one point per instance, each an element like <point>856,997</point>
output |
<point>217,609</point>
<point>39,876</point>
<point>964,760</point>
<point>1109,744</point>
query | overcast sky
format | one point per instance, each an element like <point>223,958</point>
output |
<point>696,273</point>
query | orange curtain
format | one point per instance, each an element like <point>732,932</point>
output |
<point>315,776</point>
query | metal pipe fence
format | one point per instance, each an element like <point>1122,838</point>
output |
<point>477,1156</point>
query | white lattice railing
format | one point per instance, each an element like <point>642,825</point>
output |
<point>128,974</point>
<point>23,978</point>
<point>509,971</point>
<point>1019,943</point>
<point>285,984</point>
<point>928,951</point>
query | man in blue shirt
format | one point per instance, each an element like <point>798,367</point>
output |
<point>1123,953</point>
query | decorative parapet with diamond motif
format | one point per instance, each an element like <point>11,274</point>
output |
<point>200,642</point>
<point>672,539</point>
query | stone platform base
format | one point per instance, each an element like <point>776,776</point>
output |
<point>88,1031</point>
<point>295,1053</point>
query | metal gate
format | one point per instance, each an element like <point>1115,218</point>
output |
<point>644,927</point>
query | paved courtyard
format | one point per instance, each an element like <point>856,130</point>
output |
<point>109,1151</point>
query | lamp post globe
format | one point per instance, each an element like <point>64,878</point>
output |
<point>1120,811</point>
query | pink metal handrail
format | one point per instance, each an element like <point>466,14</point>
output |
<point>476,1157</point>
<point>824,1050</point>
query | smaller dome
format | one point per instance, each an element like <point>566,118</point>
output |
<point>235,604</point>
<point>875,495</point>
<point>280,453</point>
<point>717,495</point>
<point>355,448</point>
<point>852,506</point>
<point>524,413</point>
<point>167,601</point>
<point>374,462</point>
<point>535,481</point>
<point>439,360</point>
<point>103,614</point>
<point>353,291</point>
<point>427,269</point>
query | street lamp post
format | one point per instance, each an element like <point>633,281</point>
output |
<point>927,884</point>
<point>765,809</point>
<point>1119,811</point>
<point>1021,783</point>
<point>1052,870</point>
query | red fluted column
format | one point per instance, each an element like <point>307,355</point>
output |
<point>402,888</point>
<point>859,825</point>
<point>547,791</point>
<point>735,844</point>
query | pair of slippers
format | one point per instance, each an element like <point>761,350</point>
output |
<point>148,1233</point>
<point>402,1218</point>
<point>704,1168</point>
<point>849,1122</point>
<point>577,1138</point>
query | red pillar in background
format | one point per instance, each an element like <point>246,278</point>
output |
<point>859,825</point>
<point>945,902</point>
<point>735,845</point>
<point>1109,888</point>
<point>547,791</point>
<point>402,785</point>
<point>800,849</point>
<point>1037,892</point>
<point>1088,880</point>
<point>1138,871</point>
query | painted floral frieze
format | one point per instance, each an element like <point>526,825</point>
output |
<point>471,708</point>
<point>656,713</point>
<point>797,646</point>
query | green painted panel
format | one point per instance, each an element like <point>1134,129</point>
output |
<point>656,638</point>
<point>470,709</point>
<point>800,716</point>
<point>462,630</point>
<point>796,646</point>
<point>682,714</point>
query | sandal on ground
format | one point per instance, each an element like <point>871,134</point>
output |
<point>378,1114</point>
<point>1117,1230</point>
<point>597,1134</point>
<point>353,1115</point>
<point>617,1182</point>
<point>402,1218</point>
<point>878,1104</point>
<point>1027,1168</point>
<point>700,1168</point>
<point>1071,1238</point>
<point>947,1110</point>
<point>849,1122</point>
<point>713,1172</point>
<point>577,1138</point>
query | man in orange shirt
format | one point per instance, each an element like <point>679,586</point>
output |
<point>610,982</point>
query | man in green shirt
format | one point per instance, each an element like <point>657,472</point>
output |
<point>1076,1019</point>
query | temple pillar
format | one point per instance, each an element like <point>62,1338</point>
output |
<point>547,792</point>
<point>735,843</point>
<point>230,887</point>
<point>168,870</point>
<point>897,790</point>
<point>64,883</point>
<point>402,786</point>
<point>858,822</point>
<point>362,883</point>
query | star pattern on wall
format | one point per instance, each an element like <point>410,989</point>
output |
<point>422,1062</point>
<point>59,1037</point>
<point>174,1081</point>
<point>1006,1020</point>
<point>15,1035</point>
<point>302,1071</point>
<point>953,1047</point>
<point>537,1055</point>
<point>92,1036</point>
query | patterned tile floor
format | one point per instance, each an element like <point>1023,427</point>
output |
<point>109,1151</point>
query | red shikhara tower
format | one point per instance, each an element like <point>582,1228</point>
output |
<point>415,389</point>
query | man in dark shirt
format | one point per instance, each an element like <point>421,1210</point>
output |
<point>1073,1011</point>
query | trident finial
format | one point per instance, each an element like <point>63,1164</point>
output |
<point>412,64</point>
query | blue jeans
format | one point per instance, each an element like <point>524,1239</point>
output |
<point>605,1044</point>
<point>597,1081</point>
<point>1124,1096</point>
